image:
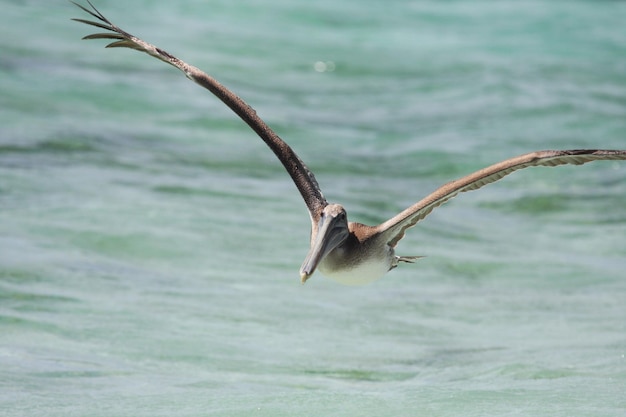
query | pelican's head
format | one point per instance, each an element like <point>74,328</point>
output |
<point>330,231</point>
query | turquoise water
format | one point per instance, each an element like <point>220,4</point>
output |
<point>150,243</point>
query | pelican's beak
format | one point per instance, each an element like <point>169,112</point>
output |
<point>332,231</point>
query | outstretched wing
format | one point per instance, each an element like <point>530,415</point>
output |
<point>394,228</point>
<point>299,172</point>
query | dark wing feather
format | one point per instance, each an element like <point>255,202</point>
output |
<point>300,174</point>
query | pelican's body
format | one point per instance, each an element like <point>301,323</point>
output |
<point>362,258</point>
<point>351,253</point>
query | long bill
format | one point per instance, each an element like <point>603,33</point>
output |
<point>331,232</point>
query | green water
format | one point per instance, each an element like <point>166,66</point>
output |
<point>150,243</point>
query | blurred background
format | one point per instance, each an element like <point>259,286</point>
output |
<point>150,242</point>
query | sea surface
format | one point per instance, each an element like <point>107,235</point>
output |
<point>150,242</point>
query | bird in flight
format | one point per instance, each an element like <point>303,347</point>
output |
<point>349,252</point>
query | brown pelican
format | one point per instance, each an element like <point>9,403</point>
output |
<point>349,252</point>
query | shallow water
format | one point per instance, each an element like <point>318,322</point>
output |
<point>150,243</point>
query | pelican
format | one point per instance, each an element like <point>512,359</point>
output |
<point>349,252</point>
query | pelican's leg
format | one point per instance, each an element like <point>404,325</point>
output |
<point>407,259</point>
